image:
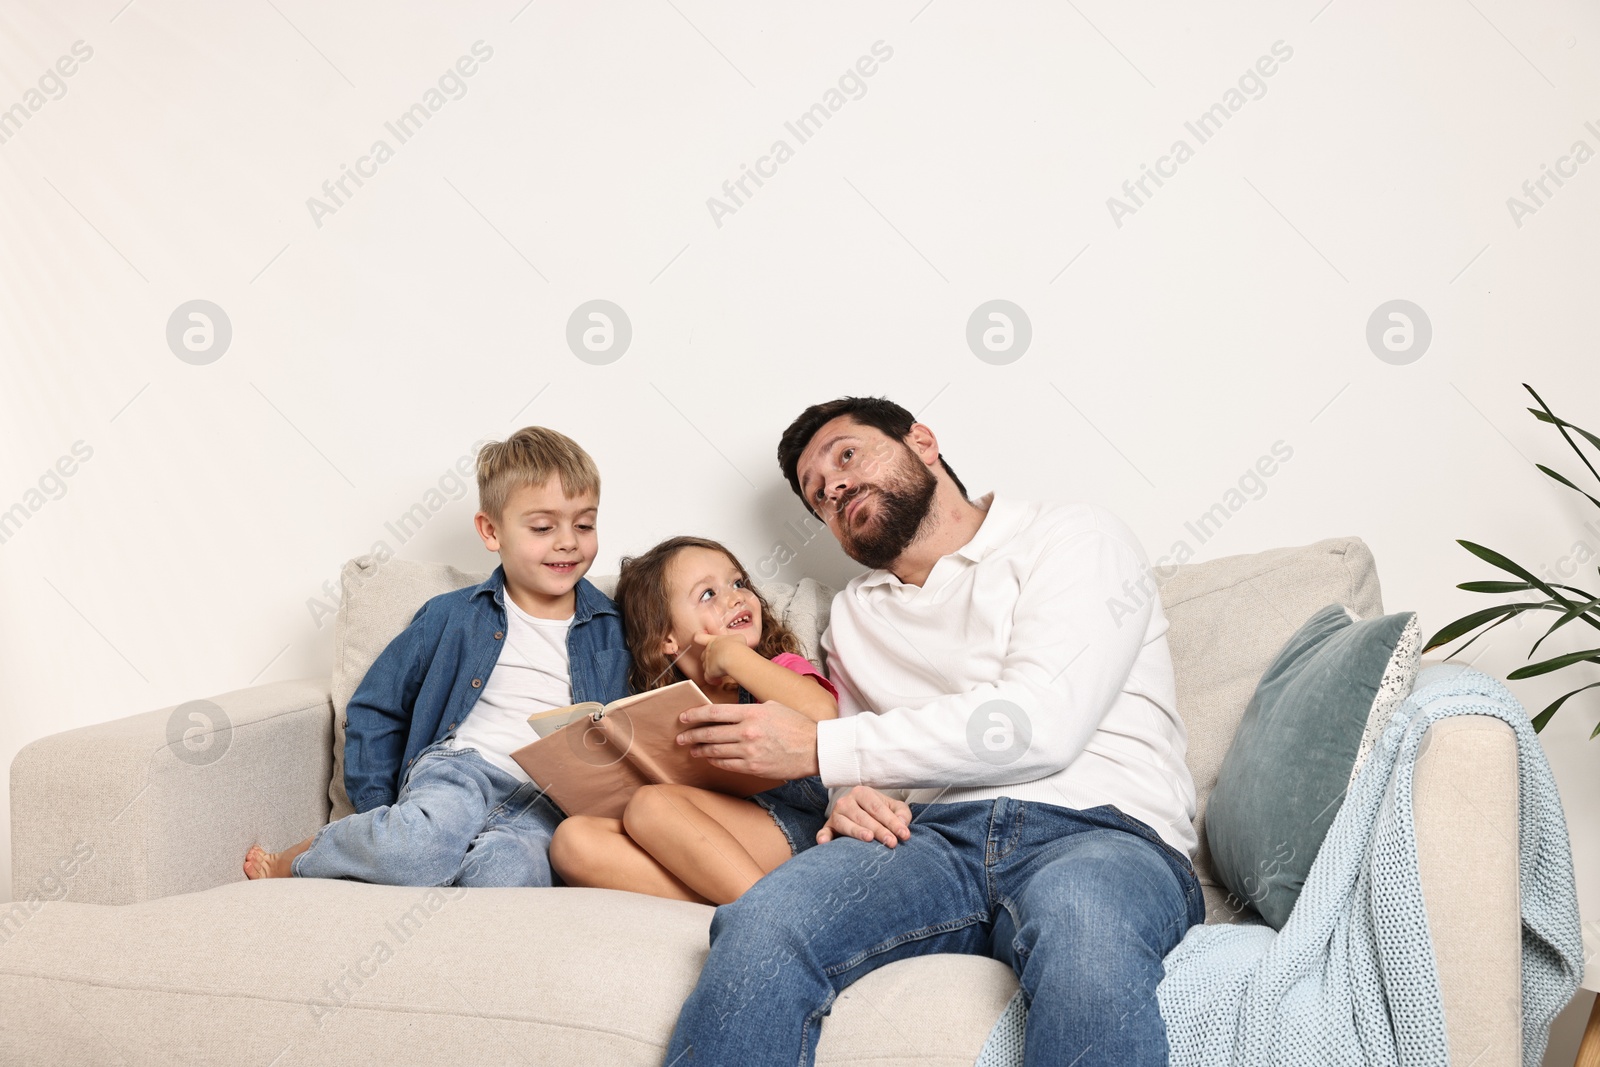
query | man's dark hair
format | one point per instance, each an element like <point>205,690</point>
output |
<point>880,413</point>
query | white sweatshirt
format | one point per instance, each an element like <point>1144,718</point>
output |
<point>1008,673</point>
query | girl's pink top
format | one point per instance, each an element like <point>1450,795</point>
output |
<point>801,665</point>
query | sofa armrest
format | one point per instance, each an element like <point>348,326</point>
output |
<point>169,801</point>
<point>1465,809</point>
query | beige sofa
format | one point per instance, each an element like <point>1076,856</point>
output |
<point>158,952</point>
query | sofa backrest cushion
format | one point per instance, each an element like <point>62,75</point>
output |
<point>1229,617</point>
<point>379,599</point>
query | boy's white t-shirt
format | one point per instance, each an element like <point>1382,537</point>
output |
<point>530,675</point>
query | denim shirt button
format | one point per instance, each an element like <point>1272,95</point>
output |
<point>344,724</point>
<point>498,635</point>
<point>453,726</point>
<point>477,683</point>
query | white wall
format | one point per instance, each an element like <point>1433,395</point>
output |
<point>372,345</point>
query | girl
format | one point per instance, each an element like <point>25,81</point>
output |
<point>690,612</point>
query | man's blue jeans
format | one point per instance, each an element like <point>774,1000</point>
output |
<point>1083,905</point>
<point>459,820</point>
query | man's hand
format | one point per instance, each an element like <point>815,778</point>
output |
<point>868,815</point>
<point>769,740</point>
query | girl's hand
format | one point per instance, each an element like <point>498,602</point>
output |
<point>716,653</point>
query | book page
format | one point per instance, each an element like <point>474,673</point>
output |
<point>595,767</point>
<point>545,723</point>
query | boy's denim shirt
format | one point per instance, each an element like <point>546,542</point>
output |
<point>423,685</point>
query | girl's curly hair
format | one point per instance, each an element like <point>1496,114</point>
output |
<point>642,598</point>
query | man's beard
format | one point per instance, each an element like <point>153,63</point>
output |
<point>899,514</point>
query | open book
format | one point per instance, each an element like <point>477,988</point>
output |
<point>590,758</point>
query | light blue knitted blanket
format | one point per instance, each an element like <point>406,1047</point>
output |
<point>1350,979</point>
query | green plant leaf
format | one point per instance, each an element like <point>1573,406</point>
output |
<point>1489,555</point>
<point>1564,481</point>
<point>1591,655</point>
<point>1467,623</point>
<point>1488,629</point>
<point>1543,717</point>
<point>1543,605</point>
<point>1566,618</point>
<point>1545,417</point>
<point>1494,587</point>
<point>1561,425</point>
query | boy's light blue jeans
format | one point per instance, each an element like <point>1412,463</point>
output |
<point>1083,904</point>
<point>458,820</point>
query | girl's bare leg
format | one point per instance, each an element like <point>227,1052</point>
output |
<point>718,845</point>
<point>595,852</point>
<point>259,863</point>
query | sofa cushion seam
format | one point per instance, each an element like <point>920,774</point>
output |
<point>395,1009</point>
<point>1293,561</point>
<point>320,705</point>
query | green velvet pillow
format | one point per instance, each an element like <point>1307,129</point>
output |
<point>1315,716</point>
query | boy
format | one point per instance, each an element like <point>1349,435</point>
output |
<point>438,798</point>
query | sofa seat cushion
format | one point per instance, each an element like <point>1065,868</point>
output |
<point>317,971</point>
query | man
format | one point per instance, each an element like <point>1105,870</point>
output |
<point>1006,771</point>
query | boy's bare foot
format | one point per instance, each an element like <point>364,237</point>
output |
<point>259,863</point>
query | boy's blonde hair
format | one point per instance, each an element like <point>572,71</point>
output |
<point>529,457</point>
